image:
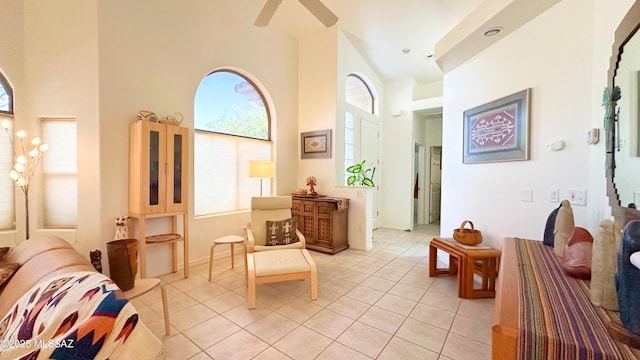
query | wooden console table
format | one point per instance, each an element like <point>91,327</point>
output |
<point>323,221</point>
<point>467,262</point>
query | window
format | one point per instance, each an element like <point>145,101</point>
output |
<point>358,93</point>
<point>349,143</point>
<point>60,173</point>
<point>7,186</point>
<point>359,123</point>
<point>6,96</point>
<point>232,126</point>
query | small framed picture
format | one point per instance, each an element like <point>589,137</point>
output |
<point>315,144</point>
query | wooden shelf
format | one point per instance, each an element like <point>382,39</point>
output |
<point>163,238</point>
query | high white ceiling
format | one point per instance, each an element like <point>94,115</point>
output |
<point>381,29</point>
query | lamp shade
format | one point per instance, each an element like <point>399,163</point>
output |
<point>261,168</point>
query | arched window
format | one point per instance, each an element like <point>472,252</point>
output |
<point>232,126</point>
<point>6,96</point>
<point>358,93</point>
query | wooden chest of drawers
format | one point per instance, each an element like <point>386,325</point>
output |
<point>323,221</point>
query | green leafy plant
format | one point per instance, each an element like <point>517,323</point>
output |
<point>360,175</point>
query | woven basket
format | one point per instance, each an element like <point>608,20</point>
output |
<point>467,236</point>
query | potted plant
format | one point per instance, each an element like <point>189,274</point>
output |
<point>360,175</point>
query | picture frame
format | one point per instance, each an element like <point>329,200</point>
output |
<point>497,131</point>
<point>315,144</point>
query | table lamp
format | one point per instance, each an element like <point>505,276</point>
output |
<point>261,169</point>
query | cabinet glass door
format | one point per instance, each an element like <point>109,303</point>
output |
<point>177,168</point>
<point>154,167</point>
<point>177,175</point>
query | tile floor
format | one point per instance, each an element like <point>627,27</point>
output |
<point>378,304</point>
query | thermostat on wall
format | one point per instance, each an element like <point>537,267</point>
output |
<point>556,145</point>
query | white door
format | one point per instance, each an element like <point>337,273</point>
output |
<point>434,184</point>
<point>369,152</point>
<point>418,193</point>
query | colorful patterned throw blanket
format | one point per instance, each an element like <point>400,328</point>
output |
<point>557,319</point>
<point>78,315</point>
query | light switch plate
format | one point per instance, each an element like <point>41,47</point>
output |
<point>578,197</point>
<point>554,195</point>
<point>526,195</point>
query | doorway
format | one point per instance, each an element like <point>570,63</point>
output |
<point>435,170</point>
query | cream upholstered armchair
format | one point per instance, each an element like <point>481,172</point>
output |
<point>269,208</point>
<point>272,252</point>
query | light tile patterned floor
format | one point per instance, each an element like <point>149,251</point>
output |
<point>378,304</point>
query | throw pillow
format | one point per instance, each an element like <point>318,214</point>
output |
<point>576,258</point>
<point>564,227</point>
<point>282,232</point>
<point>6,271</point>
<point>3,253</point>
<point>550,227</point>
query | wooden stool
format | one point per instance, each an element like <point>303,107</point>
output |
<point>229,239</point>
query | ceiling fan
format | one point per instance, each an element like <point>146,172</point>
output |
<point>315,7</point>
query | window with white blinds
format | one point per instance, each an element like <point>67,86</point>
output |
<point>60,173</point>
<point>222,182</point>
<point>232,127</point>
<point>7,186</point>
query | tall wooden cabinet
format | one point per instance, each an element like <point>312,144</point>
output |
<point>323,221</point>
<point>158,178</point>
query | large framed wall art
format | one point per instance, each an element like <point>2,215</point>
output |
<point>497,131</point>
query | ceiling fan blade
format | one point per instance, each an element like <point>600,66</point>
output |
<point>320,11</point>
<point>267,12</point>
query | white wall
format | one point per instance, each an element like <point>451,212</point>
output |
<point>51,60</point>
<point>153,55</point>
<point>396,196</point>
<point>325,60</point>
<point>560,68</point>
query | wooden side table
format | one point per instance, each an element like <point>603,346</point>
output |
<point>469,261</point>
<point>143,286</point>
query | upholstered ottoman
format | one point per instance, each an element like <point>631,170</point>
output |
<point>279,265</point>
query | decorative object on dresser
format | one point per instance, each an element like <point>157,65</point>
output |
<point>315,144</point>
<point>604,264</point>
<point>158,173</point>
<point>122,227</point>
<point>324,221</point>
<point>147,115</point>
<point>497,131</point>
<point>262,169</point>
<point>550,227</point>
<point>96,259</point>
<point>311,183</point>
<point>576,257</point>
<point>175,119</point>
<point>564,227</point>
<point>467,236</point>
<point>26,164</point>
<point>628,278</point>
